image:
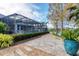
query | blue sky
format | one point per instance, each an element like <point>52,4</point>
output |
<point>36,11</point>
<point>43,9</point>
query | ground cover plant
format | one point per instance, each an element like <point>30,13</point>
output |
<point>5,40</point>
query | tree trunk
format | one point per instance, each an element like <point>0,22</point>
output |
<point>56,27</point>
<point>61,25</point>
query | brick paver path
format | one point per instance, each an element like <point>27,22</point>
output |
<point>45,45</point>
<point>49,43</point>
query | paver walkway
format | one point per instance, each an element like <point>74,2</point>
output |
<point>48,43</point>
<point>45,45</point>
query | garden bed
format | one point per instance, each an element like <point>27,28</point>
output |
<point>7,40</point>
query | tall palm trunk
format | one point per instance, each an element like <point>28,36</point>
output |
<point>56,27</point>
<point>61,25</point>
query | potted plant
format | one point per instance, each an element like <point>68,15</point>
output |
<point>71,41</point>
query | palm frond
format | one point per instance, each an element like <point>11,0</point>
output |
<point>74,14</point>
<point>72,8</point>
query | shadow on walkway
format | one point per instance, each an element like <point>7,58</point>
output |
<point>23,41</point>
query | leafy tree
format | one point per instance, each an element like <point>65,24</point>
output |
<point>54,15</point>
<point>63,12</point>
<point>58,12</point>
<point>3,27</point>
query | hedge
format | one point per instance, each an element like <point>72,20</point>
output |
<point>6,40</point>
<point>19,37</point>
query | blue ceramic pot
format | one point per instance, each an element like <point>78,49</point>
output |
<point>71,47</point>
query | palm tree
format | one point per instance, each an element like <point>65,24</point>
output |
<point>74,15</point>
<point>64,11</point>
<point>58,13</point>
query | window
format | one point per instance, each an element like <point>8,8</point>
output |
<point>16,17</point>
<point>31,29</point>
<point>29,24</point>
<point>39,30</point>
<point>23,27</point>
<point>33,24</point>
<point>18,27</point>
<point>11,17</point>
<point>24,19</point>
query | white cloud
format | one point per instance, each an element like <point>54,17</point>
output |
<point>34,6</point>
<point>28,10</point>
<point>9,8</point>
<point>49,25</point>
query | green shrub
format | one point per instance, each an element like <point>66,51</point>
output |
<point>5,40</point>
<point>70,34</point>
<point>19,37</point>
<point>3,27</point>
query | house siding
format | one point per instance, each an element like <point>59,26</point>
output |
<point>23,26</point>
